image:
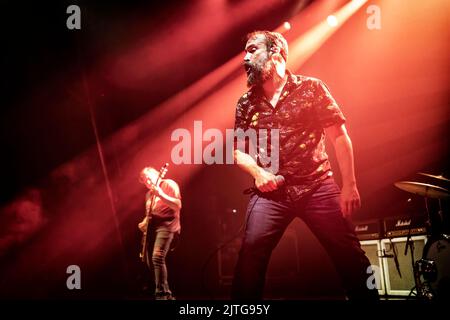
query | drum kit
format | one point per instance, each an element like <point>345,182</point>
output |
<point>432,271</point>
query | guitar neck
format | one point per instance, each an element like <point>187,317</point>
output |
<point>150,202</point>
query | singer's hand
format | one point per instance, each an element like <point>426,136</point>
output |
<point>350,200</point>
<point>266,181</point>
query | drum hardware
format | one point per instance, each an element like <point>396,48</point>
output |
<point>439,177</point>
<point>427,268</point>
<point>436,266</point>
<point>432,271</point>
<point>423,189</point>
<point>421,289</point>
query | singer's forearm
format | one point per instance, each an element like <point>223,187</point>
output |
<point>344,153</point>
<point>344,156</point>
<point>247,163</point>
<point>265,181</point>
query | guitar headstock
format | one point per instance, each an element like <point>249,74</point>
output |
<point>163,170</point>
<point>150,176</point>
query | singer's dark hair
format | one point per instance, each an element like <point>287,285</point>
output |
<point>273,39</point>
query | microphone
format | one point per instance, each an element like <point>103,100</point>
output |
<point>394,250</point>
<point>279,180</point>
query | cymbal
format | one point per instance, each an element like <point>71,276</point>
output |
<point>423,189</point>
<point>440,177</point>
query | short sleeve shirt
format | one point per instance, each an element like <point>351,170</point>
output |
<point>163,217</point>
<point>304,109</point>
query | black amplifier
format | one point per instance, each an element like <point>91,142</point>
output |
<point>401,226</point>
<point>369,230</point>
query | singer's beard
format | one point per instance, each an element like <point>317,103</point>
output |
<point>257,74</point>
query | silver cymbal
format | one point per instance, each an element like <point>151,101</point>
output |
<point>423,189</point>
<point>440,177</point>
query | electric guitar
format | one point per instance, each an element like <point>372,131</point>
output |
<point>148,213</point>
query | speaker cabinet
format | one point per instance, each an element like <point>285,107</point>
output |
<point>399,277</point>
<point>373,251</point>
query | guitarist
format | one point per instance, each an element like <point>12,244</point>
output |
<point>163,205</point>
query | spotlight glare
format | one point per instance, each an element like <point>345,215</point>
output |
<point>332,21</point>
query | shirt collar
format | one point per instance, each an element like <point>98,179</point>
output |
<point>291,81</point>
<point>256,93</point>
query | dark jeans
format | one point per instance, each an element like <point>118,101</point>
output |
<point>161,246</point>
<point>268,218</point>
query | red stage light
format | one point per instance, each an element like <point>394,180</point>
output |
<point>287,26</point>
<point>332,21</point>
